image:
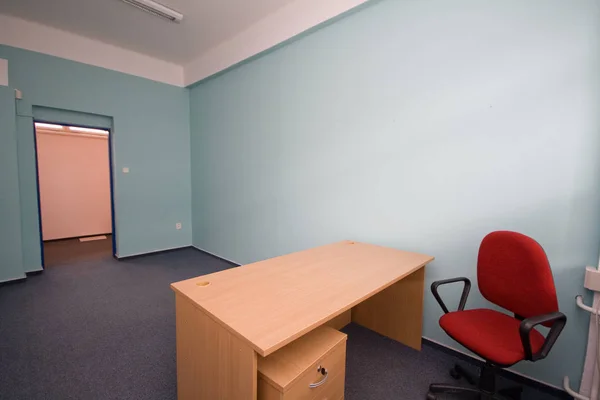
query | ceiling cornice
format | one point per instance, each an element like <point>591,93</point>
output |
<point>32,36</point>
<point>280,26</point>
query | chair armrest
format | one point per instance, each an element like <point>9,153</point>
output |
<point>463,297</point>
<point>558,320</point>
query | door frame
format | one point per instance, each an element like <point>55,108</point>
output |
<point>111,180</point>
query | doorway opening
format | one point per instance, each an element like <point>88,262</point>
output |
<point>75,193</point>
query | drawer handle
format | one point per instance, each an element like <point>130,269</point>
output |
<point>324,372</point>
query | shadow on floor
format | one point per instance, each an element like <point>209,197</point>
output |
<point>66,251</point>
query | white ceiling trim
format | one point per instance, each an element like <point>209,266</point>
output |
<point>276,28</point>
<point>32,36</point>
<point>279,26</point>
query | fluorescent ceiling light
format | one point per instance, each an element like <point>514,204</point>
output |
<point>157,9</point>
<point>48,126</point>
<point>88,130</point>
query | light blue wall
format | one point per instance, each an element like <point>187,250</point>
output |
<point>11,262</point>
<point>150,136</point>
<point>421,125</point>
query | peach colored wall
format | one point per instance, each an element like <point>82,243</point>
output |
<point>74,185</point>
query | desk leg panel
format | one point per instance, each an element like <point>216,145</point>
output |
<point>340,321</point>
<point>396,312</point>
<point>212,364</point>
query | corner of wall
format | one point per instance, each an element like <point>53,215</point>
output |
<point>278,27</point>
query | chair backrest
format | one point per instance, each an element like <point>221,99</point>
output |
<point>513,272</point>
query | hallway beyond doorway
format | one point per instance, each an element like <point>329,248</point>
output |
<point>75,191</point>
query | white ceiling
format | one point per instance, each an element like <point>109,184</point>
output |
<point>206,24</point>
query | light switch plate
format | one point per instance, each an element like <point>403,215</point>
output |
<point>125,170</point>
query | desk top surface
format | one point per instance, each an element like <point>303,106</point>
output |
<point>273,302</point>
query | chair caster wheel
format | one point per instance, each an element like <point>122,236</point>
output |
<point>431,396</point>
<point>455,374</point>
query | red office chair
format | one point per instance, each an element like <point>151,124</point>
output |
<point>512,272</point>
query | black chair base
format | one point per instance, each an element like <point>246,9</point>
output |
<point>484,386</point>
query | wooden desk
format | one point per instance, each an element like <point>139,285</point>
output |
<point>227,319</point>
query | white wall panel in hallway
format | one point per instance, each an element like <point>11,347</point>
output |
<point>74,184</point>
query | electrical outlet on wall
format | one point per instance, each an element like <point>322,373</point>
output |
<point>178,225</point>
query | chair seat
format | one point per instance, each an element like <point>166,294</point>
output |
<point>491,334</point>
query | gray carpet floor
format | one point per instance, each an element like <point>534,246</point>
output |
<point>99,328</point>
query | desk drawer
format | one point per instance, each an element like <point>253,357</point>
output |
<point>296,371</point>
<point>332,388</point>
